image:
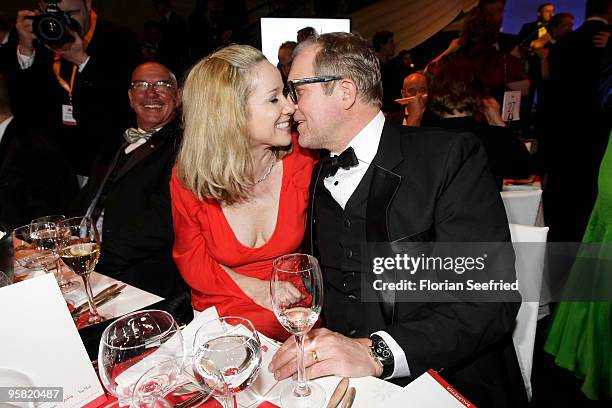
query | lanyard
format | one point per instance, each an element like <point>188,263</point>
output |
<point>57,63</point>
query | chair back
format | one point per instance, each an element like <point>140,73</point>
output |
<point>529,265</point>
<point>522,206</point>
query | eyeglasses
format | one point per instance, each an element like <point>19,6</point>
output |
<point>293,82</point>
<point>158,86</point>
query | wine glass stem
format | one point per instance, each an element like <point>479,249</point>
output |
<point>61,281</point>
<point>228,398</point>
<point>301,388</point>
<point>92,305</point>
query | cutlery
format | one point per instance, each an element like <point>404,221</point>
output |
<point>84,305</point>
<point>338,393</point>
<point>349,398</point>
<point>195,399</point>
<point>100,302</point>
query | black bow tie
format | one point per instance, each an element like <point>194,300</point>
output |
<point>346,160</point>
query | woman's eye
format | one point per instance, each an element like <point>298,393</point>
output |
<point>274,100</point>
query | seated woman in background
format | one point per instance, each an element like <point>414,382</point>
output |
<point>240,185</point>
<point>458,98</point>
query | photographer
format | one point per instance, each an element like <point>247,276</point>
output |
<point>70,72</point>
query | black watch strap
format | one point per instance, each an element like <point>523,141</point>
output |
<point>382,352</point>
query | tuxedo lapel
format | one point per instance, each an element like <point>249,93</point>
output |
<point>383,188</point>
<point>156,141</point>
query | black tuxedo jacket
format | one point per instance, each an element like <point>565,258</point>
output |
<point>578,132</point>
<point>101,105</point>
<point>34,178</point>
<point>434,185</point>
<point>528,33</point>
<point>138,234</point>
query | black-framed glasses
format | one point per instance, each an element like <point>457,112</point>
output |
<point>158,86</point>
<point>291,84</point>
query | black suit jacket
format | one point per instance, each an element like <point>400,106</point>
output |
<point>528,33</point>
<point>578,131</point>
<point>138,234</point>
<point>101,105</point>
<point>434,185</point>
<point>34,178</point>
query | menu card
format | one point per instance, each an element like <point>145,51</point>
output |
<point>41,347</point>
<point>428,390</point>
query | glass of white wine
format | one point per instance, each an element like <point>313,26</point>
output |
<point>296,290</point>
<point>80,250</point>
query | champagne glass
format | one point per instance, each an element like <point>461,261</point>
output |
<point>296,290</point>
<point>45,235</point>
<point>172,383</point>
<point>229,346</point>
<point>80,251</point>
<point>133,344</point>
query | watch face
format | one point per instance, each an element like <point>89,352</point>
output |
<point>382,350</point>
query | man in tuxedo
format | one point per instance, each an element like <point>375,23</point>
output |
<point>578,128</point>
<point>536,29</point>
<point>34,178</point>
<point>129,197</point>
<point>66,87</point>
<point>394,184</point>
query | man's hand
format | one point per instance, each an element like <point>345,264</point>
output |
<point>414,109</point>
<point>600,40</point>
<point>24,30</point>
<point>337,355</point>
<point>72,51</point>
<point>492,111</point>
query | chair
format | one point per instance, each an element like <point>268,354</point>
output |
<point>522,207</point>
<point>529,270</point>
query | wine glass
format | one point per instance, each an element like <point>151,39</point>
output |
<point>296,290</point>
<point>133,344</point>
<point>25,252</point>
<point>172,383</point>
<point>45,235</point>
<point>80,250</point>
<point>229,346</point>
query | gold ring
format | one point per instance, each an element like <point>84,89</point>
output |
<point>314,356</point>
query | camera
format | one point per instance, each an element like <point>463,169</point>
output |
<point>51,27</point>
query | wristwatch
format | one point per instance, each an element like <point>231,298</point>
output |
<point>381,352</point>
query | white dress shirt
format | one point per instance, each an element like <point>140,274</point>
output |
<point>4,125</point>
<point>342,185</point>
<point>26,61</point>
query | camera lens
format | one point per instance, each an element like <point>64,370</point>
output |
<point>50,29</point>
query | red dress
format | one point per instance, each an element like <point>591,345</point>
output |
<point>204,239</point>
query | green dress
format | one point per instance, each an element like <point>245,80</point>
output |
<point>581,334</point>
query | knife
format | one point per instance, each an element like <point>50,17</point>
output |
<point>99,296</point>
<point>338,394</point>
<point>100,302</point>
<point>349,398</point>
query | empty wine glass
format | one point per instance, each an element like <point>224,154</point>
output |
<point>172,383</point>
<point>133,344</point>
<point>80,251</point>
<point>296,290</point>
<point>228,346</point>
<point>45,235</point>
<point>24,250</point>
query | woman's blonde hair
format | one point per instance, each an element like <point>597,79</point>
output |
<point>214,160</point>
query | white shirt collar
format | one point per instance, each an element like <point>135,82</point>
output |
<point>597,18</point>
<point>4,125</point>
<point>365,143</point>
<point>5,39</point>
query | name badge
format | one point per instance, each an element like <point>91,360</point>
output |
<point>512,106</point>
<point>67,118</point>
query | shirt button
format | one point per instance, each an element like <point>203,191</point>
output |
<point>347,223</point>
<point>348,253</point>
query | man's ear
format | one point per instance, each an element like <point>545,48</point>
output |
<point>179,97</point>
<point>130,98</point>
<point>348,92</point>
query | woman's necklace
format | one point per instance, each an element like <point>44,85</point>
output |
<point>265,176</point>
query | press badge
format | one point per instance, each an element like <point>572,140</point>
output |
<point>67,118</point>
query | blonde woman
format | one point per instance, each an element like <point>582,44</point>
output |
<point>240,185</point>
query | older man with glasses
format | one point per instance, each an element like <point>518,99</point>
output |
<point>129,196</point>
